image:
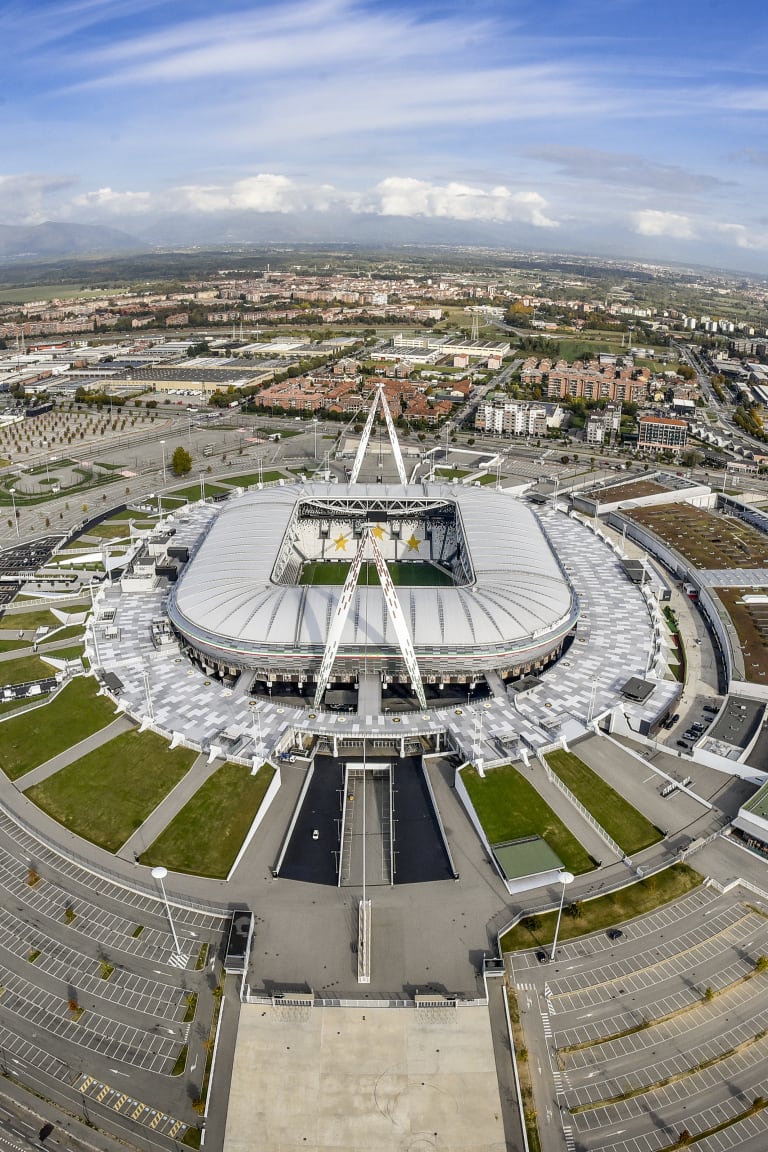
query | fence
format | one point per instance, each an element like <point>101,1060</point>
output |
<point>577,804</point>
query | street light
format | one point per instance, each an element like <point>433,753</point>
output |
<point>565,879</point>
<point>159,873</point>
<point>162,445</point>
<point>315,424</point>
<point>12,493</point>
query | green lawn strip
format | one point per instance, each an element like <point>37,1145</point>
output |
<point>109,793</point>
<point>458,473</point>
<point>488,478</point>
<point>656,1085</point>
<point>23,670</point>
<point>131,514</point>
<point>29,740</point>
<point>628,827</point>
<point>44,618</point>
<point>108,531</point>
<point>14,705</point>
<point>604,911</point>
<point>194,842</point>
<point>249,478</point>
<point>509,808</point>
<point>69,633</point>
<point>70,652</point>
<point>423,575</point>
<point>13,645</point>
<point>192,492</point>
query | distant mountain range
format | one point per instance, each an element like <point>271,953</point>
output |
<point>43,241</point>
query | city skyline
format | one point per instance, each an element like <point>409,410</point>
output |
<point>640,133</point>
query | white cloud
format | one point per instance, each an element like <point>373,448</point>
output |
<point>117,203</point>
<point>651,222</point>
<point>265,192</point>
<point>406,196</point>
<point>24,196</point>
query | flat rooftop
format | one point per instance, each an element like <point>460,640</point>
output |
<point>364,1080</point>
<point>528,857</point>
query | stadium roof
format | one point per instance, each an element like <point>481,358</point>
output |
<point>227,600</point>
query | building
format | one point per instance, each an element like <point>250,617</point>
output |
<point>661,433</point>
<point>505,417</point>
<point>603,425</point>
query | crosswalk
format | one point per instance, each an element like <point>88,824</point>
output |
<point>97,1092</point>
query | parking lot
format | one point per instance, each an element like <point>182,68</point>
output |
<point>662,1030</point>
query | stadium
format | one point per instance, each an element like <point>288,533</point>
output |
<point>318,585</point>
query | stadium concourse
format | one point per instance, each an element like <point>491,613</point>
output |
<point>519,630</point>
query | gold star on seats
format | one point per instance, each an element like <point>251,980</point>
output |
<point>413,543</point>
<point>378,532</point>
<point>341,542</point>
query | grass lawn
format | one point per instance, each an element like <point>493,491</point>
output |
<point>628,827</point>
<point>14,705</point>
<point>23,670</point>
<point>12,645</point>
<point>193,841</point>
<point>130,514</point>
<point>77,711</point>
<point>459,473</point>
<point>108,794</point>
<point>192,492</point>
<point>249,478</point>
<point>508,808</point>
<point>41,619</point>
<point>488,478</point>
<point>108,531</point>
<point>67,633</point>
<point>417,575</point>
<point>69,653</point>
<point>605,911</point>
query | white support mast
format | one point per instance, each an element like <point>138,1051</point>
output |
<point>398,621</point>
<point>395,614</point>
<point>363,445</point>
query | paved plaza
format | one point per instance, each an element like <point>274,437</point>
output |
<point>364,1079</point>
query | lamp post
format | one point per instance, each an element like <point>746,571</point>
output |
<point>162,445</point>
<point>565,879</point>
<point>314,422</point>
<point>159,873</point>
<point>12,493</point>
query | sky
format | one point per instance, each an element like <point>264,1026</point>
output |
<point>628,128</point>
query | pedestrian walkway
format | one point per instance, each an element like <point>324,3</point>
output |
<point>169,807</point>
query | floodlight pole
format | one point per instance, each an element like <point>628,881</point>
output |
<point>159,873</point>
<point>165,476</point>
<point>12,494</point>
<point>565,879</point>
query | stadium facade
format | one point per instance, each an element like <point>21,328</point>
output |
<point>478,585</point>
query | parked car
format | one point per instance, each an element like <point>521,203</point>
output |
<point>614,934</point>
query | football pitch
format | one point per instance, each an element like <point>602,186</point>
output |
<point>413,575</point>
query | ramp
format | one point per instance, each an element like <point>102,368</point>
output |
<point>367,828</point>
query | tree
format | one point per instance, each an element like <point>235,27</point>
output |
<point>181,462</point>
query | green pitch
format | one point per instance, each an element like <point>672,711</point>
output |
<point>423,575</point>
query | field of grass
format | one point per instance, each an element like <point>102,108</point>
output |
<point>108,531</point>
<point>509,808</point>
<point>605,911</point>
<point>403,575</point>
<point>77,711</point>
<point>108,794</point>
<point>192,491</point>
<point>67,633</point>
<point>249,478</point>
<point>12,645</point>
<point>42,618</point>
<point>131,514</point>
<point>14,705</point>
<point>193,841</point>
<point>704,538</point>
<point>23,670</point>
<point>628,827</point>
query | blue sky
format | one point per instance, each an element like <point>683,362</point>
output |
<point>632,127</point>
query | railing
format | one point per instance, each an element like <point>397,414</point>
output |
<point>553,778</point>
